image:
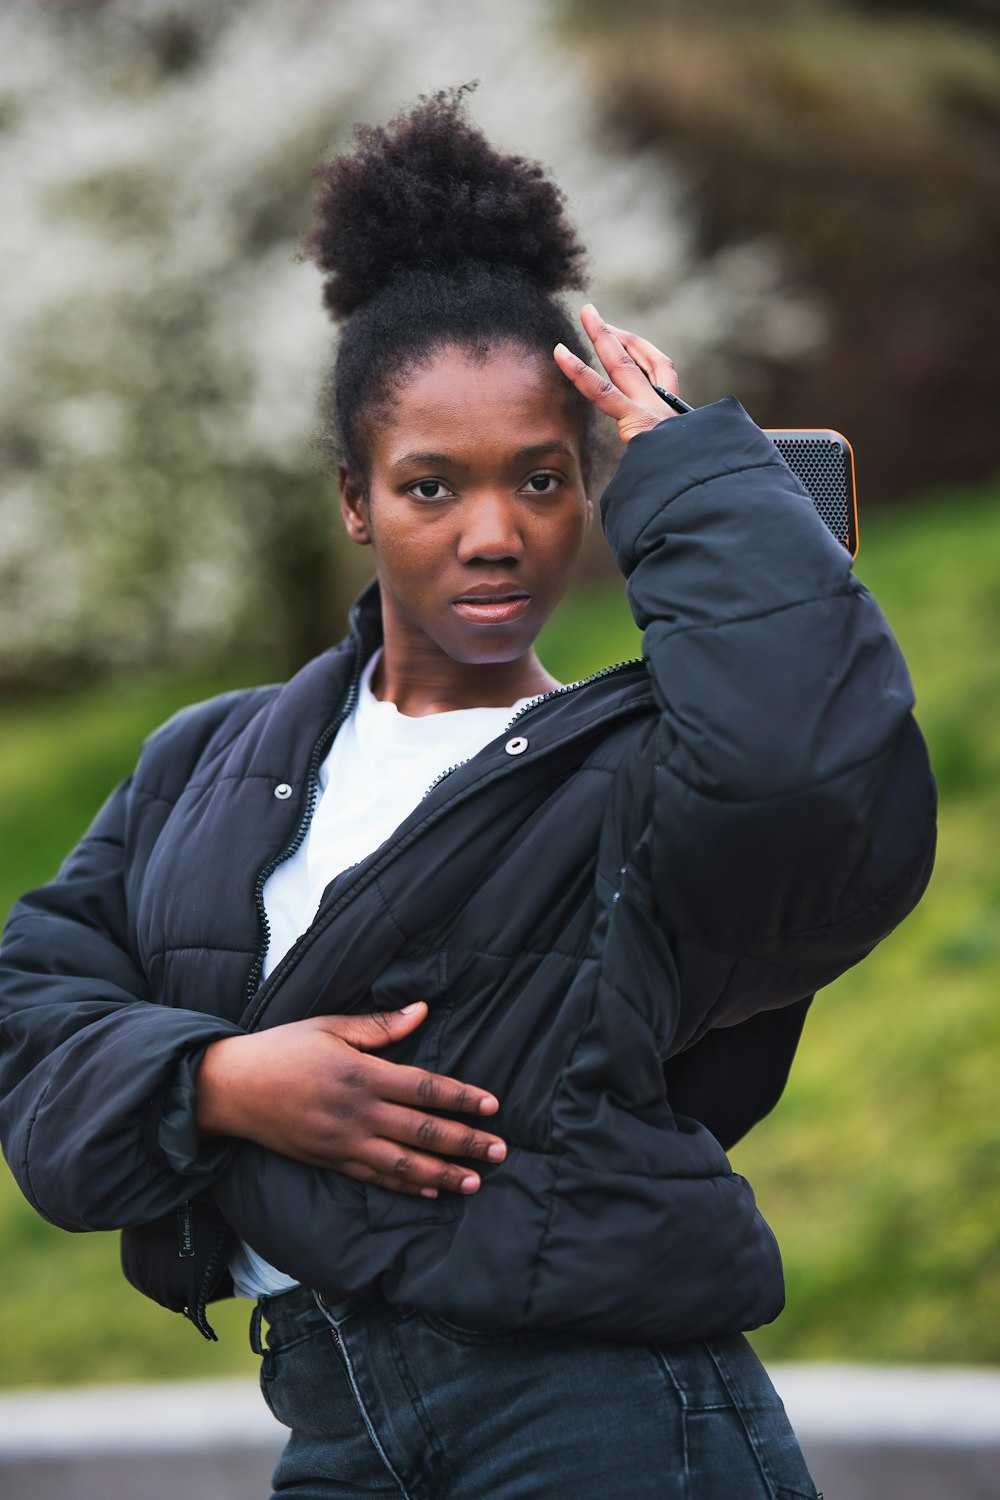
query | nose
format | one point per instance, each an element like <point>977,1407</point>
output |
<point>491,529</point>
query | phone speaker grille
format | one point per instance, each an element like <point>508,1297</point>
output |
<point>824,467</point>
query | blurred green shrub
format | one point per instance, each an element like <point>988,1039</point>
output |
<point>879,1170</point>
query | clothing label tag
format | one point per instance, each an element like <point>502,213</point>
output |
<point>185,1232</point>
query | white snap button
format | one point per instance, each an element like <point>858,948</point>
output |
<point>517,745</point>
<point>283,791</point>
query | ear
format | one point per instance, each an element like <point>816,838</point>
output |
<point>354,505</point>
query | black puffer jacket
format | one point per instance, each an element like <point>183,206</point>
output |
<point>618,928</point>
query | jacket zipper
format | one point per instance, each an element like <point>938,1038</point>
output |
<point>567,687</point>
<point>312,795</point>
<point>198,1314</point>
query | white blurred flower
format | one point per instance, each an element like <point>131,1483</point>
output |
<point>160,340</point>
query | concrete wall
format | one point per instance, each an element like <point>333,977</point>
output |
<point>868,1434</point>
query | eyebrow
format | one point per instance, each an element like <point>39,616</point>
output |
<point>536,450</point>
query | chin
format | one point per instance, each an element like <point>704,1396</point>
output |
<point>486,645</point>
<point>489,653</point>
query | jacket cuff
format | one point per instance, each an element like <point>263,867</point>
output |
<point>176,1137</point>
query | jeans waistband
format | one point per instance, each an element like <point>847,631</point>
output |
<point>298,1314</point>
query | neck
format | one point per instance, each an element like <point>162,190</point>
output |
<point>423,682</point>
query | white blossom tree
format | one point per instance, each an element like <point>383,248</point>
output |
<point>163,347</point>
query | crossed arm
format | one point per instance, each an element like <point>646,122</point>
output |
<point>313,1090</point>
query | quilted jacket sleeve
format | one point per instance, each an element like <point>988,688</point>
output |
<point>85,1055</point>
<point>782,808</point>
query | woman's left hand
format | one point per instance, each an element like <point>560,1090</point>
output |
<point>632,363</point>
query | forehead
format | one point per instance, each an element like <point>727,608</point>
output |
<point>507,400</point>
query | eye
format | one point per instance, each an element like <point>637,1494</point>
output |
<point>424,489</point>
<point>544,484</point>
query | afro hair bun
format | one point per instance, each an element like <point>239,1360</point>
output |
<point>429,192</point>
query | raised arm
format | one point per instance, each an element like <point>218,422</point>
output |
<point>780,815</point>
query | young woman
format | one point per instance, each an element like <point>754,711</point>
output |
<point>418,998</point>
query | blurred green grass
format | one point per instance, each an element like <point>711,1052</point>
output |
<point>880,1169</point>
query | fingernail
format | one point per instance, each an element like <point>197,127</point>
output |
<point>561,349</point>
<point>428,1192</point>
<point>408,1010</point>
<point>488,1105</point>
<point>496,1152</point>
<point>470,1183</point>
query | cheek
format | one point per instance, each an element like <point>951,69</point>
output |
<point>405,551</point>
<point>564,540</point>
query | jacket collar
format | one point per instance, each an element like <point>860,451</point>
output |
<point>365,619</point>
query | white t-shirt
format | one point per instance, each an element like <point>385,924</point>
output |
<point>388,760</point>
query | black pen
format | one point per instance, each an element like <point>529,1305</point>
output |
<point>675,401</point>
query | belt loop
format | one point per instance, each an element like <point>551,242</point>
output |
<point>256,1338</point>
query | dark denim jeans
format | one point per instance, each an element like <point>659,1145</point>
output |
<point>387,1401</point>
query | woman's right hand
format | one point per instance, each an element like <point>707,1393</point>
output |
<point>632,363</point>
<point>311,1091</point>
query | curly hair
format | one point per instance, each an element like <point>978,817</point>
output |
<point>428,235</point>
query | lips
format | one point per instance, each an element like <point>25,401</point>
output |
<point>492,606</point>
